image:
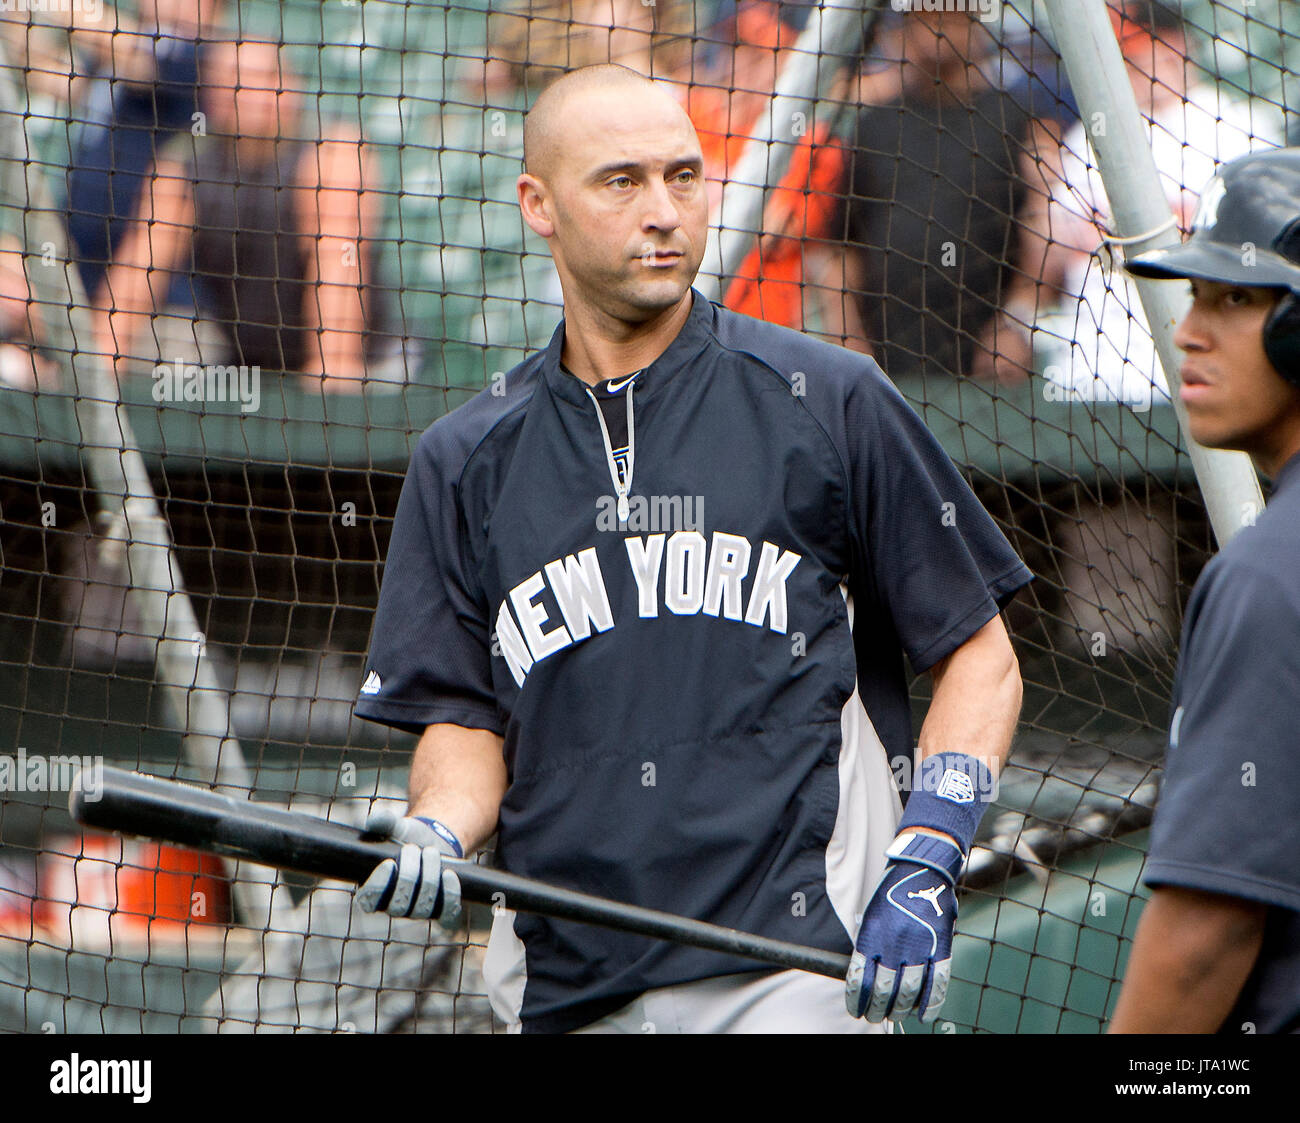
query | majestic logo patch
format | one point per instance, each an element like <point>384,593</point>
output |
<point>372,685</point>
<point>956,786</point>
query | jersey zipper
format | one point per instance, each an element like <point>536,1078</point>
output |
<point>621,485</point>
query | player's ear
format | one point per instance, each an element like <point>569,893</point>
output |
<point>535,203</point>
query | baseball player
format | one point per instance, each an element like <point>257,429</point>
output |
<point>1218,945</point>
<point>646,603</point>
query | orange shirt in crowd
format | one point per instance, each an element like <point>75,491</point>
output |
<point>768,284</point>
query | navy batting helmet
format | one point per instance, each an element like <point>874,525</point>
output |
<point>1247,232</point>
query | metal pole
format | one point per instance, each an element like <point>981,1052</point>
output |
<point>1099,79</point>
<point>199,705</point>
<point>834,32</point>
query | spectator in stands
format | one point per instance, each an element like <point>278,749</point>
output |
<point>274,226</point>
<point>142,89</point>
<point>535,41</point>
<point>936,191</point>
<point>38,45</point>
<point>726,107</point>
<point>1030,67</point>
<point>1117,563</point>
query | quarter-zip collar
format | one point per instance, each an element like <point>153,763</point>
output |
<point>622,480</point>
<point>689,342</point>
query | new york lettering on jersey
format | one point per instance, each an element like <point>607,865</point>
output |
<point>698,575</point>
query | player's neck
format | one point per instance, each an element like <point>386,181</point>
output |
<point>598,346</point>
<point>1271,456</point>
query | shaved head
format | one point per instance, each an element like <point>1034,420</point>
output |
<point>544,126</point>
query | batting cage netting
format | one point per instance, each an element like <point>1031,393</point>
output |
<point>249,251</point>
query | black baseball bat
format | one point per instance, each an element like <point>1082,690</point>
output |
<point>185,815</point>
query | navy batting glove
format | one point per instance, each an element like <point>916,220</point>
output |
<point>415,885</point>
<point>902,958</point>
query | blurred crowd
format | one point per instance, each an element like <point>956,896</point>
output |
<point>940,210</point>
<point>211,217</point>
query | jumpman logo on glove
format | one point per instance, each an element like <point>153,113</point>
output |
<point>931,895</point>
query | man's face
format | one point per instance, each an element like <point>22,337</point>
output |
<point>249,93</point>
<point>937,41</point>
<point>625,193</point>
<point>1234,397</point>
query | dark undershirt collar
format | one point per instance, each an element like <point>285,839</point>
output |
<point>689,341</point>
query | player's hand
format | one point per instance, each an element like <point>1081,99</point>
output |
<point>902,959</point>
<point>415,885</point>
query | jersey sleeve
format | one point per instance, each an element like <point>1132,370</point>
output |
<point>924,546</point>
<point>1226,818</point>
<point>430,654</point>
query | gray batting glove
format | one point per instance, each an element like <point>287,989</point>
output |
<point>415,885</point>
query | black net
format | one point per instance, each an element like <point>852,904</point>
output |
<point>286,235</point>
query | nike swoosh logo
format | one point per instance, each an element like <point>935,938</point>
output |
<point>615,387</point>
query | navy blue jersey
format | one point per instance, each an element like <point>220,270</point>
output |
<point>700,704</point>
<point>1228,819</point>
